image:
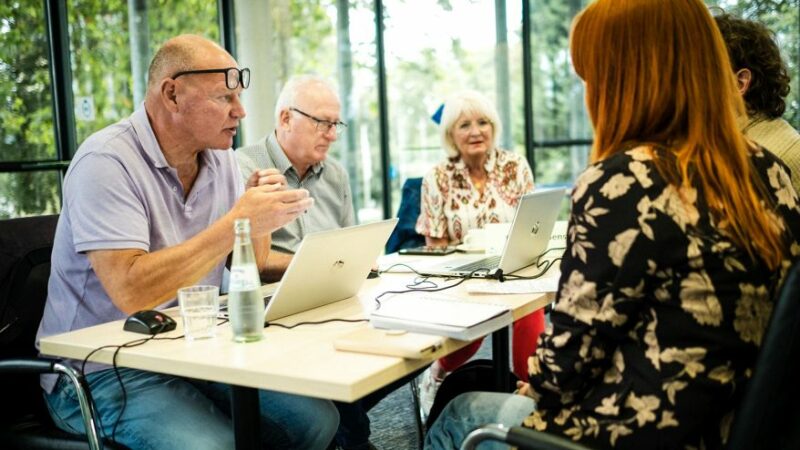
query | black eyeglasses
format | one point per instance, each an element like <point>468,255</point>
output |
<point>323,126</point>
<point>233,76</point>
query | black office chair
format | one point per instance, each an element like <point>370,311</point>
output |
<point>520,437</point>
<point>25,247</point>
<point>768,413</point>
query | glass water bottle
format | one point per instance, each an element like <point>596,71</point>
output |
<point>245,303</point>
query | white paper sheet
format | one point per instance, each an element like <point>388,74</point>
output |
<point>539,285</point>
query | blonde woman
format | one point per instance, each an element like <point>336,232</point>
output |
<point>478,184</point>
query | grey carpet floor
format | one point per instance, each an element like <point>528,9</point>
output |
<point>392,419</point>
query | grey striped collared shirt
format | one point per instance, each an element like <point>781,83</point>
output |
<point>327,183</point>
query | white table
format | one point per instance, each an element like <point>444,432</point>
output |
<point>284,360</point>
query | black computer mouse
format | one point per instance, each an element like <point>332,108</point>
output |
<point>149,321</point>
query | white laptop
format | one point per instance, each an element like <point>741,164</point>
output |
<point>328,266</point>
<point>527,239</point>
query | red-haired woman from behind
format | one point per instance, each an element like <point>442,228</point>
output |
<point>679,235</point>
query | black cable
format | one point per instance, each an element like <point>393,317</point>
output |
<point>387,270</point>
<point>421,282</point>
<point>117,348</point>
<point>321,322</point>
<point>543,267</point>
<point>436,287</point>
<point>502,277</point>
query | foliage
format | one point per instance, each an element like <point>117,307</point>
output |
<point>26,118</point>
<point>100,53</point>
<point>423,67</point>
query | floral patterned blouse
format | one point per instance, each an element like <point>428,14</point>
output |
<point>659,316</point>
<point>451,204</point>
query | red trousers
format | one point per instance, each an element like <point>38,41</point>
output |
<point>526,333</point>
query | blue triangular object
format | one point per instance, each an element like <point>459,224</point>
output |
<point>437,116</point>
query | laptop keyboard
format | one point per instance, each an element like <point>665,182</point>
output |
<point>489,263</point>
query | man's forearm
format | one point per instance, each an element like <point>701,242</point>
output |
<point>138,280</point>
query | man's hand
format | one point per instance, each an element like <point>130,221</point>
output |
<point>269,208</point>
<point>267,177</point>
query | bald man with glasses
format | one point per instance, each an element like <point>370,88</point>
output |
<point>307,122</point>
<point>149,206</point>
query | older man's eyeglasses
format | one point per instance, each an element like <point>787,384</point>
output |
<point>234,77</point>
<point>323,126</point>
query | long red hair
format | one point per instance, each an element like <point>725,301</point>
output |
<point>657,73</point>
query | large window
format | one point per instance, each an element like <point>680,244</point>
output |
<point>56,92</point>
<point>330,38</point>
<point>26,115</point>
<point>561,129</point>
<point>434,49</point>
<point>112,42</point>
<point>110,46</point>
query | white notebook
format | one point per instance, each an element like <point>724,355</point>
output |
<point>441,315</point>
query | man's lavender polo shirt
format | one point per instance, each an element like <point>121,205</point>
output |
<point>120,193</point>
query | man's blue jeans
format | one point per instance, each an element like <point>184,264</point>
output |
<point>472,410</point>
<point>168,412</point>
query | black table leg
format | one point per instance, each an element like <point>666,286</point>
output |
<point>500,358</point>
<point>246,417</point>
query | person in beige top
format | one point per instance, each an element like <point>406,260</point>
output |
<point>764,82</point>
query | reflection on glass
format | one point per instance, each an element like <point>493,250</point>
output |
<point>29,194</point>
<point>558,109</point>
<point>26,116</point>
<point>434,49</point>
<point>111,47</point>
<point>333,39</point>
<point>559,166</point>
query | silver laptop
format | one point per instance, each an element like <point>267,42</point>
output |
<point>527,238</point>
<point>328,266</point>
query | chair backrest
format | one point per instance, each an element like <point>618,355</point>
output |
<point>404,234</point>
<point>769,412</point>
<point>25,248</point>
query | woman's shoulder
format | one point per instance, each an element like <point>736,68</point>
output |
<point>775,175</point>
<point>441,174</point>
<point>765,159</point>
<point>443,167</point>
<point>637,161</point>
<point>507,156</point>
<point>623,172</point>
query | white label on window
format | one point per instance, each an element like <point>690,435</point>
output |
<point>84,109</point>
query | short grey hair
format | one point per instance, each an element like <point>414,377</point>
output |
<point>293,87</point>
<point>469,102</point>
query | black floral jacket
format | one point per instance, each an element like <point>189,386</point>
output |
<point>659,316</point>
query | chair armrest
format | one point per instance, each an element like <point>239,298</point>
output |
<point>28,365</point>
<point>45,365</point>
<point>524,438</point>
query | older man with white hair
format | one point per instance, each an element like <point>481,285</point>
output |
<point>307,122</point>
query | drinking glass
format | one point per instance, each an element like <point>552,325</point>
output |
<point>199,308</point>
